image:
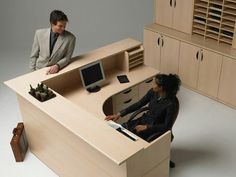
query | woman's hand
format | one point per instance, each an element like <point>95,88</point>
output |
<point>113,117</point>
<point>140,128</point>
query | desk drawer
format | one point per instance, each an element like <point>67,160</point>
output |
<point>124,96</point>
<point>125,104</point>
<point>144,87</point>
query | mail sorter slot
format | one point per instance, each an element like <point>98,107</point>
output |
<point>134,51</point>
<point>125,95</point>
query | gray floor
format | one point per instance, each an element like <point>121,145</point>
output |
<point>204,142</point>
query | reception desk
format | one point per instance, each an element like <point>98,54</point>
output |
<point>69,134</point>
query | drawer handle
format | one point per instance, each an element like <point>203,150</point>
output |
<point>197,55</point>
<point>128,101</point>
<point>149,81</point>
<point>202,56</point>
<point>171,3</point>
<point>127,91</point>
<point>158,41</point>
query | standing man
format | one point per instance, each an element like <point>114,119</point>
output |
<point>52,47</point>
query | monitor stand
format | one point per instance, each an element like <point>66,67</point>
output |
<point>94,89</point>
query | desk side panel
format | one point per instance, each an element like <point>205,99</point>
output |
<point>161,170</point>
<point>157,151</point>
<point>68,79</point>
<point>151,161</point>
<point>61,150</point>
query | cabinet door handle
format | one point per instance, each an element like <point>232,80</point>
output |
<point>158,41</point>
<point>162,42</point>
<point>175,4</point>
<point>171,3</point>
<point>128,101</point>
<point>149,81</point>
<point>127,91</point>
<point>202,57</point>
<point>197,55</point>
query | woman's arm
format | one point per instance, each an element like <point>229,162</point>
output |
<point>142,102</point>
<point>146,98</point>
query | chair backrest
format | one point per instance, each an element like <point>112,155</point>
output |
<point>175,116</point>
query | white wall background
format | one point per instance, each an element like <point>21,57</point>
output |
<point>94,22</point>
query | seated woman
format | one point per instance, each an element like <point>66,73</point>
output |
<point>162,107</point>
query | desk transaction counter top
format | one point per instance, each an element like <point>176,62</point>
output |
<point>86,118</point>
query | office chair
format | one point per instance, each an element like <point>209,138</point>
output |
<point>156,135</point>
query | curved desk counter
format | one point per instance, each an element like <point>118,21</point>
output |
<point>69,134</point>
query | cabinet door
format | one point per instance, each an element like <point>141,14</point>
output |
<point>164,12</point>
<point>152,49</point>
<point>170,55</point>
<point>188,64</point>
<point>183,15</point>
<point>209,72</point>
<point>227,87</point>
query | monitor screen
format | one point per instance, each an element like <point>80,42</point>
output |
<point>92,74</point>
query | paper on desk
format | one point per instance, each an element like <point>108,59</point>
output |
<point>116,126</point>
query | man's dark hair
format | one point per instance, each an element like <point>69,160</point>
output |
<point>169,83</point>
<point>57,15</point>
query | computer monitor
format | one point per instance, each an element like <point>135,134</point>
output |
<point>92,75</point>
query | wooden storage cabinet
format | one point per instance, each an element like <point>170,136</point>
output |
<point>188,64</point>
<point>182,17</point>
<point>209,72</point>
<point>227,86</point>
<point>163,12</point>
<point>161,52</point>
<point>200,68</point>
<point>152,51</point>
<point>169,55</point>
<point>175,14</point>
<point>203,66</point>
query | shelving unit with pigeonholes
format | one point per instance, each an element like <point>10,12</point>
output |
<point>215,20</point>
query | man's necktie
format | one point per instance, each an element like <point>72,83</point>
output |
<point>53,40</point>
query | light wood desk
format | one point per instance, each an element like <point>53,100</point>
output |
<point>69,134</point>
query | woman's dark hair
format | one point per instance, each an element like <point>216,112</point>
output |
<point>57,15</point>
<point>169,83</point>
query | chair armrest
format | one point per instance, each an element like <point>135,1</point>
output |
<point>156,135</point>
<point>137,112</point>
<point>153,137</point>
